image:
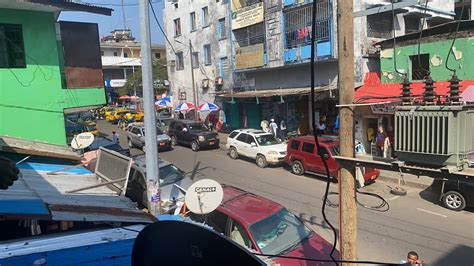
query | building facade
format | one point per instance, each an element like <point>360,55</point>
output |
<point>200,44</point>
<point>42,74</point>
<point>121,55</point>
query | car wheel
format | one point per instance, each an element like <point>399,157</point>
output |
<point>297,168</point>
<point>261,161</point>
<point>233,153</point>
<point>130,143</point>
<point>174,141</point>
<point>194,146</point>
<point>453,200</point>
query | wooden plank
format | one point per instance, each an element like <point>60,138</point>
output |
<point>22,146</point>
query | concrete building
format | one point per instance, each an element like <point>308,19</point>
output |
<point>121,55</point>
<point>204,25</point>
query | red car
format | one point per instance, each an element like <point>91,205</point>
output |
<point>266,227</point>
<point>303,157</point>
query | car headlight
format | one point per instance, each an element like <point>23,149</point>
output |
<point>201,138</point>
<point>272,153</point>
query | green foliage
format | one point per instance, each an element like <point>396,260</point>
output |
<point>160,73</point>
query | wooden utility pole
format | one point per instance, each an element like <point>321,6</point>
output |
<point>348,208</point>
<point>192,80</point>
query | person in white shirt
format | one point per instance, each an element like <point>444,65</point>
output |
<point>274,127</point>
<point>115,137</point>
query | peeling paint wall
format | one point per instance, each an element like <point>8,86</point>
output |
<point>180,80</point>
<point>460,59</point>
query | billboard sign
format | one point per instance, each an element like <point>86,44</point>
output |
<point>247,16</point>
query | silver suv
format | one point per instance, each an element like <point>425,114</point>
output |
<point>136,138</point>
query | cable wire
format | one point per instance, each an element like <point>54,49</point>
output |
<point>454,39</point>
<point>313,109</point>
<point>159,25</point>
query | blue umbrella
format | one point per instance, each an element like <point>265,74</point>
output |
<point>164,102</point>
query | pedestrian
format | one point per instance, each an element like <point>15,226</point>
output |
<point>380,141</point>
<point>412,259</point>
<point>282,130</point>
<point>115,137</point>
<point>273,127</point>
<point>321,127</point>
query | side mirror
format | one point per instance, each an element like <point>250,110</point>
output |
<point>326,156</point>
<point>139,134</point>
<point>253,144</point>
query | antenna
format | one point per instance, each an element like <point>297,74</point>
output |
<point>204,196</point>
<point>82,141</point>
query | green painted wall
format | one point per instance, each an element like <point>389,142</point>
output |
<point>32,99</point>
<point>463,62</point>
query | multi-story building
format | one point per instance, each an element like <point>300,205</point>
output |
<point>200,43</point>
<point>48,69</point>
<point>121,55</point>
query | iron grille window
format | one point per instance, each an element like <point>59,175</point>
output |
<point>12,50</point>
<point>179,61</point>
<point>379,26</point>
<point>250,35</point>
<point>419,66</point>
<point>298,24</point>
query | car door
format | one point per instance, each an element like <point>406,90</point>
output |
<point>178,131</point>
<point>242,145</point>
<point>239,234</point>
<point>252,150</point>
<point>308,151</point>
<point>186,135</point>
<point>136,133</point>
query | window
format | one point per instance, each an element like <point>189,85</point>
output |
<point>379,26</point>
<point>250,139</point>
<point>295,145</point>
<point>239,235</point>
<point>195,59</point>
<point>205,17</point>
<point>250,35</point>
<point>221,29</point>
<point>207,54</point>
<point>242,137</point>
<point>125,55</point>
<point>233,134</point>
<point>115,54</point>
<point>308,147</point>
<point>420,66</point>
<point>412,24</point>
<point>177,27</point>
<point>218,221</point>
<point>224,67</point>
<point>179,61</point>
<point>192,21</point>
<point>157,55</point>
<point>12,50</point>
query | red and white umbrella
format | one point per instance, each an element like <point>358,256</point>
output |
<point>208,107</point>
<point>184,107</point>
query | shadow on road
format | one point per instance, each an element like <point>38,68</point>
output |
<point>461,255</point>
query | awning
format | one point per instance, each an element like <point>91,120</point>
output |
<point>386,92</point>
<point>275,92</point>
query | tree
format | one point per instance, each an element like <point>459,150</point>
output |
<point>159,72</point>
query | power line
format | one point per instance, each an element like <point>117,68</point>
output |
<point>159,25</point>
<point>454,39</point>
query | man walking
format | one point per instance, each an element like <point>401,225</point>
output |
<point>115,137</point>
<point>282,130</point>
<point>274,127</point>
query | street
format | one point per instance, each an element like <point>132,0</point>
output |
<point>413,222</point>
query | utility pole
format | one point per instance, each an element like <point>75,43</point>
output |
<point>151,148</point>
<point>192,80</point>
<point>348,208</point>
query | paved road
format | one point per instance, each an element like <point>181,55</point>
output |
<point>414,222</point>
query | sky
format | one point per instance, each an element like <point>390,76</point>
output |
<point>108,23</point>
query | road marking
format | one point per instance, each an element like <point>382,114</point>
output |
<point>394,197</point>
<point>434,213</point>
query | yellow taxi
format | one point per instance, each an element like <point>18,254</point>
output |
<point>92,128</point>
<point>137,115</point>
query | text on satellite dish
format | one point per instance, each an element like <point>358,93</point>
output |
<point>205,189</point>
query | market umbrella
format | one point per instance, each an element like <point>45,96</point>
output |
<point>164,102</point>
<point>208,107</point>
<point>184,107</point>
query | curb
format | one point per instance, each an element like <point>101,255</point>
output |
<point>411,184</point>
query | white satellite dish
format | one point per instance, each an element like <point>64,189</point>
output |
<point>82,141</point>
<point>204,196</point>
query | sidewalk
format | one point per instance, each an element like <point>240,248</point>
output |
<point>421,182</point>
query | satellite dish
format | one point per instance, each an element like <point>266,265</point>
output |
<point>204,196</point>
<point>82,141</point>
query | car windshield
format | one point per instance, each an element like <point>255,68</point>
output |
<point>279,233</point>
<point>267,139</point>
<point>334,150</point>
<point>170,174</point>
<point>197,127</point>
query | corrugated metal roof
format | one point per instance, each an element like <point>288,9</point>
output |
<point>38,194</point>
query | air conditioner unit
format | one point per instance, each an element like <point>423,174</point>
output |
<point>219,81</point>
<point>205,83</point>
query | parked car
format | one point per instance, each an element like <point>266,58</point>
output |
<point>303,157</point>
<point>456,194</point>
<point>136,138</point>
<point>189,132</point>
<point>138,116</point>
<point>256,144</point>
<point>108,144</point>
<point>163,123</point>
<point>266,227</point>
<point>114,116</point>
<point>169,175</point>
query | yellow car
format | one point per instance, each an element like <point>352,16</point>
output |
<point>117,114</point>
<point>105,111</point>
<point>92,128</point>
<point>137,115</point>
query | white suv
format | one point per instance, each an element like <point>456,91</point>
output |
<point>256,144</point>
